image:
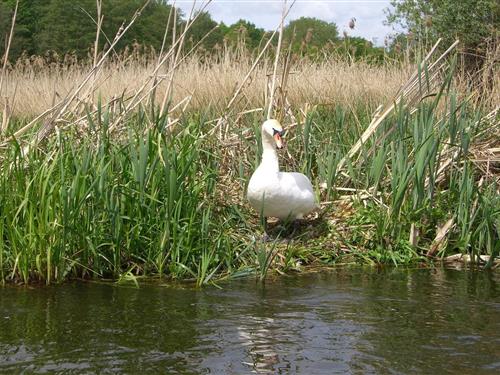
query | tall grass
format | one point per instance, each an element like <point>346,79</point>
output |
<point>97,206</point>
<point>410,198</point>
<point>153,182</point>
<point>171,202</point>
<point>34,84</point>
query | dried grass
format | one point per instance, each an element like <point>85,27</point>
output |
<point>35,85</point>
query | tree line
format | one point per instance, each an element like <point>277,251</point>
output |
<point>69,27</point>
<point>475,23</point>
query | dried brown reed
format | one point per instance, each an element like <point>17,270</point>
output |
<point>409,93</point>
<point>6,109</point>
<point>211,81</point>
<point>62,90</point>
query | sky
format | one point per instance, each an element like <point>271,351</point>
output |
<point>369,14</point>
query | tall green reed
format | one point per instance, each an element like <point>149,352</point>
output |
<point>154,202</point>
<point>100,206</point>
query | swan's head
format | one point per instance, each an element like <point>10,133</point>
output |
<point>272,129</point>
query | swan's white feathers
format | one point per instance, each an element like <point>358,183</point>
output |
<point>285,195</point>
<point>278,194</point>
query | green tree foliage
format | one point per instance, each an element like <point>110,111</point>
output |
<point>5,19</point>
<point>473,22</point>
<point>205,27</point>
<point>243,32</point>
<point>148,30</point>
<point>28,14</point>
<point>66,26</point>
<point>310,34</point>
<point>359,48</point>
<point>69,26</point>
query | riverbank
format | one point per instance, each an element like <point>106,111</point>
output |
<point>127,175</point>
<point>157,199</point>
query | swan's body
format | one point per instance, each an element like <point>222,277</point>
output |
<point>285,195</point>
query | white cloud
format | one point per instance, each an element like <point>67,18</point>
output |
<point>267,13</point>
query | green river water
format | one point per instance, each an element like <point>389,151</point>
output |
<point>359,320</point>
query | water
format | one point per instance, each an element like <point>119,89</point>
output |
<point>345,321</point>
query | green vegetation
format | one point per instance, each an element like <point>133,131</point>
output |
<point>310,34</point>
<point>474,22</point>
<point>171,202</point>
<point>104,207</point>
<point>136,182</point>
<point>471,21</point>
<point>243,33</point>
<point>69,27</point>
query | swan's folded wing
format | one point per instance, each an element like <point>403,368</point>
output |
<point>297,182</point>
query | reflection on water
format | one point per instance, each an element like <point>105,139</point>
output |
<point>344,321</point>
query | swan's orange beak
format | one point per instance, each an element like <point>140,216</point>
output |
<point>278,137</point>
<point>278,140</point>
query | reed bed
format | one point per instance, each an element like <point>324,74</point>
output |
<point>36,84</point>
<point>128,167</point>
<point>145,206</point>
<point>171,203</point>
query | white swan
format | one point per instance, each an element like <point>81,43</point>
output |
<point>285,195</point>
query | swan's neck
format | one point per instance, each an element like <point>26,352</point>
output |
<point>269,156</point>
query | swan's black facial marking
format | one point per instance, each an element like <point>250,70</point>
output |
<point>281,133</point>
<point>277,135</point>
